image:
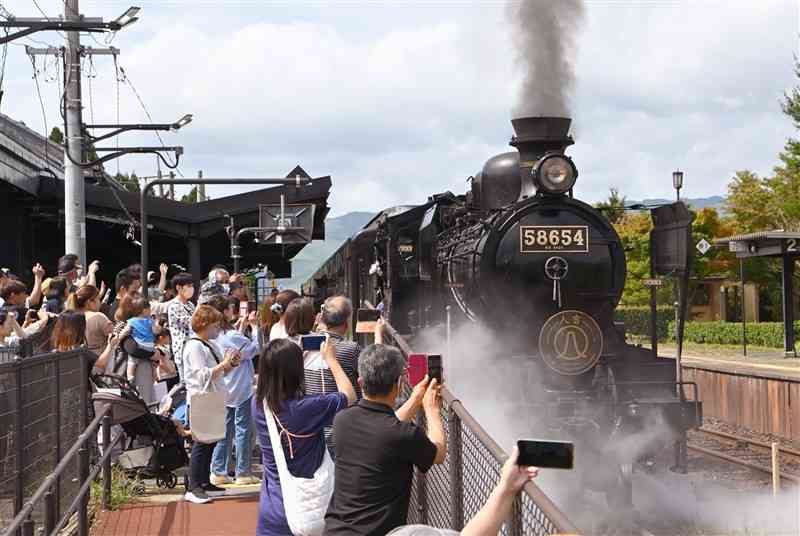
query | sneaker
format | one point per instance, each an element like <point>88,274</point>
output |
<point>219,480</point>
<point>213,491</point>
<point>247,481</point>
<point>197,496</point>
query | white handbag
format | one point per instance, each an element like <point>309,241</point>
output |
<point>207,411</point>
<point>305,500</point>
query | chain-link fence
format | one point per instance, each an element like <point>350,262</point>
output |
<point>43,409</point>
<point>449,495</point>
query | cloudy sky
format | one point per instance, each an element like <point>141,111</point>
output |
<point>400,99</point>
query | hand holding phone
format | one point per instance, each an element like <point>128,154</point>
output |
<point>367,320</point>
<point>435,368</point>
<point>546,454</point>
<point>310,343</point>
<point>513,476</point>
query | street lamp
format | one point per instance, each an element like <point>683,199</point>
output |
<point>677,183</point>
<point>182,122</point>
<point>127,18</point>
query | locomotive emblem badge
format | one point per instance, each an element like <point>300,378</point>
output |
<point>570,342</point>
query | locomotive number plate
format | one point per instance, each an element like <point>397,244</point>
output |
<point>546,238</point>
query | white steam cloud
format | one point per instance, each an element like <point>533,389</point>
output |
<point>544,33</point>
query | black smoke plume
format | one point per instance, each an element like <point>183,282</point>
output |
<point>544,33</point>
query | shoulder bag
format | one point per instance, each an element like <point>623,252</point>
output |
<point>305,500</point>
<point>207,410</point>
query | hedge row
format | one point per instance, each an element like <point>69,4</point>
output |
<point>637,320</point>
<point>767,334</point>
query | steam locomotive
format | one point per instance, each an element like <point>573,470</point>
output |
<point>519,253</point>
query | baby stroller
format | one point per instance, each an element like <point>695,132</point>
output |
<point>154,448</point>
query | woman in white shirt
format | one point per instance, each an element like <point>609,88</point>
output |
<point>204,368</point>
<point>282,301</point>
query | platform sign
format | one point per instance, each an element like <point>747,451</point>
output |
<point>703,246</point>
<point>652,282</point>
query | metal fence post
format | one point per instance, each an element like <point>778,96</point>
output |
<point>18,448</point>
<point>50,515</point>
<point>107,462</point>
<point>27,527</point>
<point>422,489</point>
<point>83,476</point>
<point>84,391</point>
<point>515,524</point>
<point>456,469</point>
<point>57,426</point>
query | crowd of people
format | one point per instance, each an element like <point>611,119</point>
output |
<point>337,451</point>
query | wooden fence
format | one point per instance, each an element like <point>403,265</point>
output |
<point>765,402</point>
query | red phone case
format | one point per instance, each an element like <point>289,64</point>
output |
<point>417,368</point>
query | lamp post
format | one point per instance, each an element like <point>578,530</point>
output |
<point>677,183</point>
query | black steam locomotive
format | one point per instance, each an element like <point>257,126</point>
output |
<point>546,271</point>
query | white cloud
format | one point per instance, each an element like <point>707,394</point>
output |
<point>399,102</point>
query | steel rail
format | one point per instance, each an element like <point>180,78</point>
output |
<point>739,461</point>
<point>785,450</point>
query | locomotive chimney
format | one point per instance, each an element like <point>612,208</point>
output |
<point>536,136</point>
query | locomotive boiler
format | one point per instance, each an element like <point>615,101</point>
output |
<point>519,253</point>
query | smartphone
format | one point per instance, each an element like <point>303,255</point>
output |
<point>244,309</point>
<point>417,368</point>
<point>546,454</point>
<point>435,367</point>
<point>311,342</point>
<point>366,320</point>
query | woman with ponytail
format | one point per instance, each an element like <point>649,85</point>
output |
<point>282,301</point>
<point>86,300</point>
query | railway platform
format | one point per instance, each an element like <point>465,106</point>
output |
<point>758,393</point>
<point>230,516</point>
<point>169,515</point>
<point>757,362</point>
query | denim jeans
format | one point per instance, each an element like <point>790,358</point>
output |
<point>238,428</point>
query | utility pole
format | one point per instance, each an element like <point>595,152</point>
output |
<point>74,195</point>
<point>201,188</point>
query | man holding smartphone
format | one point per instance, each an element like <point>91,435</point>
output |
<point>377,447</point>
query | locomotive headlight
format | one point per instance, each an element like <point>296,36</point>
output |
<point>555,173</point>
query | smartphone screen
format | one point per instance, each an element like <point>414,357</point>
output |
<point>546,454</point>
<point>243,309</point>
<point>311,342</point>
<point>366,320</point>
<point>417,368</point>
<point>435,367</point>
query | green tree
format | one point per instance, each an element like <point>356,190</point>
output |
<point>191,197</point>
<point>634,231</point>
<point>614,207</point>
<point>56,136</point>
<point>129,182</point>
<point>749,202</point>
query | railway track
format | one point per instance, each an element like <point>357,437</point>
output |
<point>746,452</point>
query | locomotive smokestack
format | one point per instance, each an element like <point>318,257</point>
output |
<point>536,136</point>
